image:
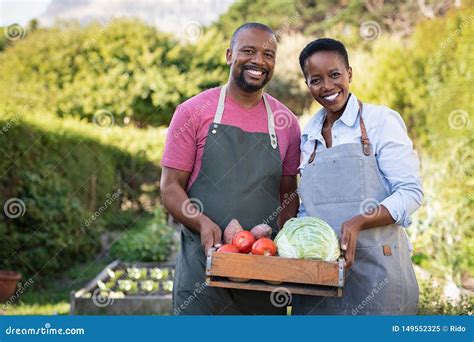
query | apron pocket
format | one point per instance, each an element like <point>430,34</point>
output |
<point>374,282</point>
<point>345,189</point>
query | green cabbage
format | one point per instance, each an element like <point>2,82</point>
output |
<point>308,238</point>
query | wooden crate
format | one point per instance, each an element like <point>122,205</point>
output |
<point>299,276</point>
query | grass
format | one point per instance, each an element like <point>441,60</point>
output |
<point>52,298</point>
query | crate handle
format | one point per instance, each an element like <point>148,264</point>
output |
<point>209,260</point>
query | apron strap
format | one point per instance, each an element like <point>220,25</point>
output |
<point>271,122</point>
<point>364,139</point>
<point>220,105</point>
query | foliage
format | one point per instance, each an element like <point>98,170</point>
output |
<point>126,68</point>
<point>64,172</point>
<point>153,241</point>
<point>338,19</point>
<point>432,302</point>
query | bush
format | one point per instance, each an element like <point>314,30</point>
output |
<point>152,241</point>
<point>432,302</point>
<point>71,179</point>
<point>126,68</point>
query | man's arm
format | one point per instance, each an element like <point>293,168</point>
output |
<point>289,200</point>
<point>176,201</point>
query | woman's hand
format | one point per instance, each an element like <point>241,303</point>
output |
<point>350,231</point>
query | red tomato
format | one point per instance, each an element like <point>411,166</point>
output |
<point>244,241</point>
<point>228,248</point>
<point>264,246</point>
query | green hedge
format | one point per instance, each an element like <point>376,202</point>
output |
<point>126,68</point>
<point>63,172</point>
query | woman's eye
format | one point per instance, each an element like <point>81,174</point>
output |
<point>316,81</point>
<point>335,75</point>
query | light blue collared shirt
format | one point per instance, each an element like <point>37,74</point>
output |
<point>398,163</point>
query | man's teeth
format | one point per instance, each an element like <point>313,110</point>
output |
<point>331,97</point>
<point>255,72</point>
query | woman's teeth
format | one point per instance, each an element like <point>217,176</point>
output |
<point>330,97</point>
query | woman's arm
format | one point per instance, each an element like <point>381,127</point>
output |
<point>399,165</point>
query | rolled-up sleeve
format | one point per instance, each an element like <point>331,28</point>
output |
<point>399,164</point>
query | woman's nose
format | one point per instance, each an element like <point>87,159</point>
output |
<point>327,85</point>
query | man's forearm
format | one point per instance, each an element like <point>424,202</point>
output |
<point>178,204</point>
<point>289,203</point>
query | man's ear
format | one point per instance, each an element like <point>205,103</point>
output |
<point>349,71</point>
<point>228,56</point>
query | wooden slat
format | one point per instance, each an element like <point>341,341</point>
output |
<point>274,269</point>
<point>258,285</point>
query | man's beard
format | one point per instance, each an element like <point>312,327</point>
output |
<point>247,87</point>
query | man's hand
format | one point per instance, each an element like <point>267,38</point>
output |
<point>211,235</point>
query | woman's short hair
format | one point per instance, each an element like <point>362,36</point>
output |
<point>323,44</point>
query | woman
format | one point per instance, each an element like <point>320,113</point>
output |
<point>360,174</point>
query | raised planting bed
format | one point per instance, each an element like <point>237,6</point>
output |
<point>124,288</point>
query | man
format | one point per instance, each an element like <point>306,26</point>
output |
<point>231,152</point>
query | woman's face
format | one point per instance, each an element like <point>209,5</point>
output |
<point>327,78</point>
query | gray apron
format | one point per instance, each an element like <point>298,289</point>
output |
<point>337,184</point>
<point>239,178</point>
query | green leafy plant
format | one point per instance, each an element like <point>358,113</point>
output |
<point>152,241</point>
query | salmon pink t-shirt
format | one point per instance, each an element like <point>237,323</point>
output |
<point>188,130</point>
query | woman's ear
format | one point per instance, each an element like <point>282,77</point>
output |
<point>349,71</point>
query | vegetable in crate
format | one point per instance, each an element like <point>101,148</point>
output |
<point>262,231</point>
<point>244,241</point>
<point>228,248</point>
<point>264,246</point>
<point>232,228</point>
<point>308,238</point>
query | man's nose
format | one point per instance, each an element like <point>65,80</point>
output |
<point>258,58</point>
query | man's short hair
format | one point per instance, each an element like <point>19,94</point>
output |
<point>248,26</point>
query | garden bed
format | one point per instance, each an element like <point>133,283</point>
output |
<point>125,288</point>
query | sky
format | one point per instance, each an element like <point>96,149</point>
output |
<point>21,11</point>
<point>167,15</point>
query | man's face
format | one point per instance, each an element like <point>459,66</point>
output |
<point>252,59</point>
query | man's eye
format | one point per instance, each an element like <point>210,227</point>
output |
<point>335,75</point>
<point>268,55</point>
<point>316,81</point>
<point>248,51</point>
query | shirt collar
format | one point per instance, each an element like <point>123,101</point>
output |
<point>348,117</point>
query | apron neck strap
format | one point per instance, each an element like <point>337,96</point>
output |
<point>271,122</point>
<point>364,139</point>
